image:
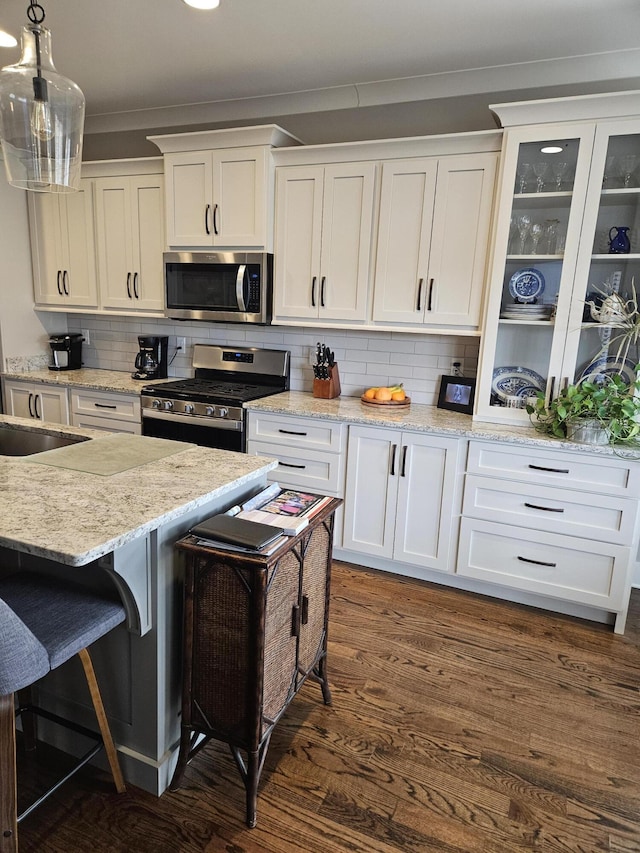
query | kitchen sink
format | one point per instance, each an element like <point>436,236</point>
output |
<point>22,442</point>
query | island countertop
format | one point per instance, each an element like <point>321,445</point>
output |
<point>74,517</point>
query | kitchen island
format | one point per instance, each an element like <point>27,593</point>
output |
<point>119,528</point>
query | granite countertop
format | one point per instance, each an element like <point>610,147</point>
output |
<point>422,419</point>
<point>74,517</point>
<point>86,377</point>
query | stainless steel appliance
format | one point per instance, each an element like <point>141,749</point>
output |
<point>208,409</point>
<point>152,359</point>
<point>66,352</point>
<point>232,287</point>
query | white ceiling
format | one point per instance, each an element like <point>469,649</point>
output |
<point>153,63</point>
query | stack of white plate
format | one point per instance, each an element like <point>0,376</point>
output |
<point>526,311</point>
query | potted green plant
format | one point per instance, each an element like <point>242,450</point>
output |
<point>606,412</point>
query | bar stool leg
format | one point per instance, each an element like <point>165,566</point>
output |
<point>96,698</point>
<point>28,719</point>
<point>8,783</point>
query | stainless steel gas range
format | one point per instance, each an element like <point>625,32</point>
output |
<point>208,409</point>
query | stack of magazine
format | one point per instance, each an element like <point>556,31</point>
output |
<point>263,523</point>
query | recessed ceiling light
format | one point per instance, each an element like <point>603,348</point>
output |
<point>7,40</point>
<point>203,4</point>
<point>552,149</point>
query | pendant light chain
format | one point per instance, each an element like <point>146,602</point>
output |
<point>35,12</point>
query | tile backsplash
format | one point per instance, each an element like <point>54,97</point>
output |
<point>364,358</point>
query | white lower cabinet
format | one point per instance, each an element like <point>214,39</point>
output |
<point>105,410</point>
<point>552,523</point>
<point>36,400</point>
<point>400,496</point>
<point>310,452</point>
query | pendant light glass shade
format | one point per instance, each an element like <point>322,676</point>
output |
<point>41,119</point>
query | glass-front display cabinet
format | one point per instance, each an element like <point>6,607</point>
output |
<point>566,263</point>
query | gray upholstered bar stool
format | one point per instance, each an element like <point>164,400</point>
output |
<point>44,622</point>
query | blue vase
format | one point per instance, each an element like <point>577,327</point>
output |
<point>619,244</point>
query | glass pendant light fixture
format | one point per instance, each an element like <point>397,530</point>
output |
<point>41,116</point>
<point>203,4</point>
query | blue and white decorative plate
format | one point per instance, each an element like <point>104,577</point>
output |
<point>526,285</point>
<point>598,369</point>
<point>516,382</point>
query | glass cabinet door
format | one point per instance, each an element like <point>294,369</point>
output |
<point>544,186</point>
<point>608,274</point>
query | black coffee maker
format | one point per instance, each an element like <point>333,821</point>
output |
<point>151,361</point>
<point>66,352</point>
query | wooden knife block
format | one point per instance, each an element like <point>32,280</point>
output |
<point>327,389</point>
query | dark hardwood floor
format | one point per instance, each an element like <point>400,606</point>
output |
<point>459,723</point>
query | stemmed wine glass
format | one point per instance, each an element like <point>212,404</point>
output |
<point>523,176</point>
<point>551,235</point>
<point>536,234</point>
<point>524,226</point>
<point>629,164</point>
<point>540,170</point>
<point>559,170</point>
<point>611,169</point>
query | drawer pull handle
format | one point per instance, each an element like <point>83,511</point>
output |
<point>290,465</point>
<point>544,508</point>
<point>291,432</point>
<point>305,609</point>
<point>553,470</point>
<point>537,562</point>
<point>105,406</point>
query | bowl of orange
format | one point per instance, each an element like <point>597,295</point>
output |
<point>393,396</point>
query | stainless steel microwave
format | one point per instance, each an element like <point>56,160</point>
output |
<point>230,287</point>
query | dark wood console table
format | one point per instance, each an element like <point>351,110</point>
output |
<point>255,629</point>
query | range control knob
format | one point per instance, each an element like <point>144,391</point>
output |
<point>223,412</point>
<point>189,407</point>
<point>155,404</point>
<point>210,411</point>
<point>167,404</point>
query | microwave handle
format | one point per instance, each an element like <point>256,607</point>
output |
<point>242,272</point>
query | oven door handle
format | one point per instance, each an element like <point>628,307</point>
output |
<point>210,423</point>
<point>242,274</point>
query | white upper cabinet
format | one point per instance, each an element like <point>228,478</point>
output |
<point>324,228</point>
<point>130,238</point>
<point>63,248</point>
<point>217,198</point>
<point>219,187</point>
<point>435,217</point>
<point>568,188</point>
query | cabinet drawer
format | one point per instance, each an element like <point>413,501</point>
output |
<point>308,469</point>
<point>596,473</point>
<point>567,567</point>
<point>545,508</point>
<point>106,424</point>
<point>297,432</point>
<point>119,406</point>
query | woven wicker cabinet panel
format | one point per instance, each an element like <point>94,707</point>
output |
<point>255,628</point>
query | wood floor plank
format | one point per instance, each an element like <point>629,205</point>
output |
<point>459,724</point>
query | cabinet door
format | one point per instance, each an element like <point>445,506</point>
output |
<point>460,239</point>
<point>280,640</point>
<point>347,222</point>
<point>189,202</point>
<point>426,514</point>
<point>612,207</point>
<point>298,240</point>
<point>404,240</point>
<point>147,217</point>
<point>63,248</point>
<point>239,216</point>
<point>42,402</point>
<point>371,490</point>
<point>114,239</point>
<point>530,308</point>
<point>313,602</point>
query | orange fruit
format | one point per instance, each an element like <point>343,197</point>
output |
<point>383,394</point>
<point>370,393</point>
<point>398,396</point>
